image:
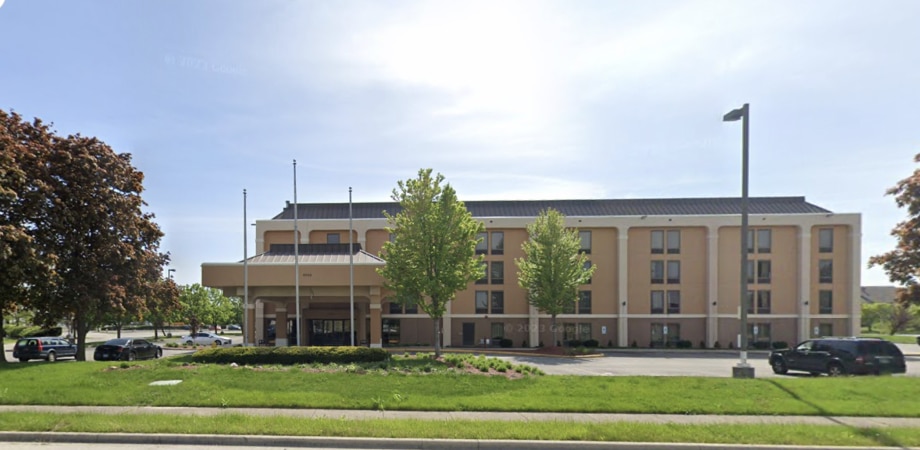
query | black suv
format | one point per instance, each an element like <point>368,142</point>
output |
<point>840,356</point>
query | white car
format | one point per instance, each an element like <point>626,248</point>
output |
<point>205,339</point>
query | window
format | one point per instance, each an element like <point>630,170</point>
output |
<point>749,270</point>
<point>674,242</point>
<point>826,271</point>
<point>825,329</point>
<point>673,272</point>
<point>673,302</point>
<point>498,272</point>
<point>585,241</point>
<point>584,302</point>
<point>498,302</point>
<point>332,238</point>
<point>482,302</point>
<point>395,308</point>
<point>657,271</point>
<point>586,267</point>
<point>390,331</point>
<point>498,330</point>
<point>750,241</point>
<point>759,332</point>
<point>825,302</point>
<point>569,308</point>
<point>826,240</point>
<point>482,246</point>
<point>412,308</point>
<point>498,243</point>
<point>764,244</point>
<point>764,271</point>
<point>485,274</point>
<point>657,241</point>
<point>657,302</point>
<point>569,332</point>
<point>758,302</point>
<point>584,331</point>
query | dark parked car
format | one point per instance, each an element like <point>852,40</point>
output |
<point>127,350</point>
<point>840,356</point>
<point>47,348</point>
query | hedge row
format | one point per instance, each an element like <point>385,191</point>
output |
<point>290,355</point>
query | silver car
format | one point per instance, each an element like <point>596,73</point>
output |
<point>205,338</point>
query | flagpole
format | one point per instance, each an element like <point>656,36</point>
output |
<point>351,271</point>
<point>296,264</point>
<point>245,275</point>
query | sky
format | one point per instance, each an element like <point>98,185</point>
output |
<point>507,99</point>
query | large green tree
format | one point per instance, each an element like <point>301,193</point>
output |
<point>432,255</point>
<point>903,263</point>
<point>201,306</point>
<point>553,267</point>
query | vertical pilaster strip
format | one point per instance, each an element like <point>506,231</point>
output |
<point>281,337</point>
<point>533,326</point>
<point>804,281</point>
<point>376,323</point>
<point>712,285</point>
<point>623,286</point>
<point>855,297</point>
<point>446,326</point>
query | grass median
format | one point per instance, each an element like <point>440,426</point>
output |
<point>238,424</point>
<point>430,386</point>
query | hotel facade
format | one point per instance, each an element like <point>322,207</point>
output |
<point>668,270</point>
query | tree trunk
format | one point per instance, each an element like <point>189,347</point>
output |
<point>437,337</point>
<point>82,329</point>
<point>118,331</point>
<point>552,326</point>
<point>2,335</point>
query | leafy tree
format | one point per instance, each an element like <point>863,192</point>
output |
<point>163,306</point>
<point>23,266</point>
<point>200,306</point>
<point>901,316</point>
<point>107,249</point>
<point>432,255</point>
<point>873,313</point>
<point>553,267</point>
<point>903,263</point>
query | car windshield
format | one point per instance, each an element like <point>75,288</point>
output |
<point>117,342</point>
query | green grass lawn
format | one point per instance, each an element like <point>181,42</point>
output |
<point>897,338</point>
<point>428,386</point>
<point>237,424</point>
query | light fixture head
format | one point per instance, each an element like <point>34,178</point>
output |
<point>733,115</point>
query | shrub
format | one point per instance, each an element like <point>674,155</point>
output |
<point>505,343</point>
<point>761,345</point>
<point>591,343</point>
<point>716,345</point>
<point>634,344</point>
<point>731,345</point>
<point>683,343</point>
<point>290,355</point>
<point>610,343</point>
<point>779,345</point>
<point>574,343</point>
<point>702,344</point>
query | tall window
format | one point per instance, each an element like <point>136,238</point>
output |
<point>826,240</point>
<point>584,302</point>
<point>657,271</point>
<point>657,241</point>
<point>498,330</point>
<point>332,238</point>
<point>825,329</point>
<point>665,334</point>
<point>482,302</point>
<point>750,271</point>
<point>498,302</point>
<point>482,247</point>
<point>657,302</point>
<point>673,302</point>
<point>764,241</point>
<point>485,274</point>
<point>585,241</point>
<point>498,272</point>
<point>673,272</point>
<point>759,332</point>
<point>587,265</point>
<point>498,243</point>
<point>674,241</point>
<point>764,271</point>
<point>826,271</point>
<point>395,308</point>
<point>825,302</point>
<point>412,308</point>
<point>584,331</point>
<point>758,302</point>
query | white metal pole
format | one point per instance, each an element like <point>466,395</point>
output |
<point>245,275</point>
<point>296,267</point>
<point>351,271</point>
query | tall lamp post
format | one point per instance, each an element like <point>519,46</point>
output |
<point>169,273</point>
<point>743,369</point>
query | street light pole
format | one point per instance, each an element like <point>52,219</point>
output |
<point>169,273</point>
<point>743,369</point>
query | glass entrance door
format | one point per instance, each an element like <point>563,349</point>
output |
<point>330,332</point>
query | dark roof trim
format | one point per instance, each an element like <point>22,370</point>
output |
<point>576,208</point>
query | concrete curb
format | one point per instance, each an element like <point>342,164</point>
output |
<point>373,443</point>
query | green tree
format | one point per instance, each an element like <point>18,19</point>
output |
<point>873,313</point>
<point>901,316</point>
<point>202,306</point>
<point>163,306</point>
<point>432,255</point>
<point>553,267</point>
<point>903,263</point>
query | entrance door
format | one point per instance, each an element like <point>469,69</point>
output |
<point>469,334</point>
<point>330,332</point>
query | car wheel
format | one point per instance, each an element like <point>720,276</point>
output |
<point>189,343</point>
<point>218,342</point>
<point>835,370</point>
<point>779,366</point>
<point>23,359</point>
<point>132,356</point>
<point>51,357</point>
<point>159,353</point>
